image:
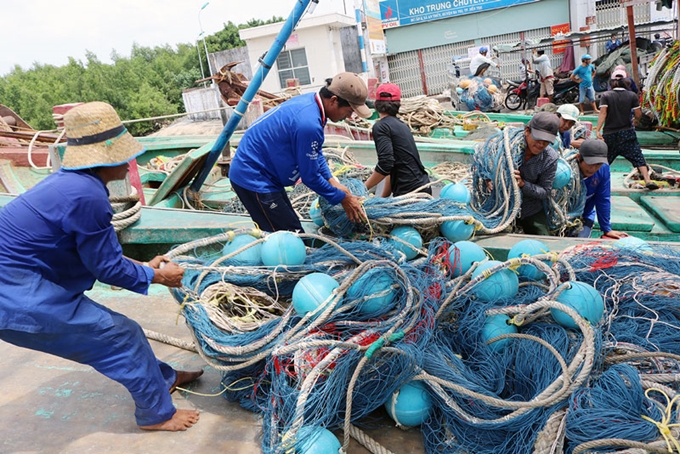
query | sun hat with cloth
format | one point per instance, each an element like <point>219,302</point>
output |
<point>569,112</point>
<point>544,126</point>
<point>97,138</point>
<point>594,151</point>
<point>351,88</point>
<point>388,92</point>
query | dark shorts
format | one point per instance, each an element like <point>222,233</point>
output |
<point>624,143</point>
<point>270,211</point>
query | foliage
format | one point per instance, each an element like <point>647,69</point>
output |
<point>147,84</point>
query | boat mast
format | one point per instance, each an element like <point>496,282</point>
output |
<point>631,37</point>
<point>266,63</point>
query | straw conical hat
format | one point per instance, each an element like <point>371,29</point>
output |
<point>97,138</point>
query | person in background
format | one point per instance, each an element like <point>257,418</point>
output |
<point>536,174</point>
<point>594,169</point>
<point>398,158</point>
<point>633,86</point>
<point>285,145</point>
<point>615,126</point>
<point>480,63</point>
<point>568,115</point>
<point>584,76</point>
<point>525,69</point>
<point>658,40</point>
<point>613,43</point>
<point>545,72</point>
<point>57,239</point>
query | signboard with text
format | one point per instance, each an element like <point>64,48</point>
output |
<point>396,13</point>
<point>559,45</point>
<point>376,36</point>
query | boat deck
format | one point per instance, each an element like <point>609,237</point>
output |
<point>50,405</point>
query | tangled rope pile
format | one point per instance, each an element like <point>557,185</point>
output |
<point>566,204</point>
<point>423,115</point>
<point>494,206</point>
<point>662,86</point>
<point>579,384</point>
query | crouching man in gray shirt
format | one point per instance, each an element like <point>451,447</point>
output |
<point>536,173</point>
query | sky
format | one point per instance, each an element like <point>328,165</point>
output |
<point>50,31</point>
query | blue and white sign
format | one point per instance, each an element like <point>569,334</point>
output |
<point>396,13</point>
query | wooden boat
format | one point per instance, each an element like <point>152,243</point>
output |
<point>172,216</point>
<point>168,219</point>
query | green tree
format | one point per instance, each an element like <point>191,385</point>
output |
<point>147,84</point>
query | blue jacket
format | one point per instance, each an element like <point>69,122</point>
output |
<point>57,239</point>
<point>598,198</point>
<point>284,146</point>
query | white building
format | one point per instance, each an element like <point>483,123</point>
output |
<point>319,48</point>
<point>420,47</point>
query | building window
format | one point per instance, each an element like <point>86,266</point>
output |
<point>292,64</point>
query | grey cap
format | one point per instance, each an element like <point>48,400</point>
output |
<point>594,151</point>
<point>544,126</point>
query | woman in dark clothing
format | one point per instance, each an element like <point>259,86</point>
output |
<point>398,157</point>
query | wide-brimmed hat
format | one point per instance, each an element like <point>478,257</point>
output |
<point>97,138</point>
<point>594,151</point>
<point>544,126</point>
<point>351,88</point>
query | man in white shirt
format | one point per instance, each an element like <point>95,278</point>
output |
<point>544,69</point>
<point>480,62</point>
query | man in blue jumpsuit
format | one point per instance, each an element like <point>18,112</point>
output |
<point>57,239</point>
<point>285,145</point>
<point>592,162</point>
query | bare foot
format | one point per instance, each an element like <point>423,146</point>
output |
<point>181,420</point>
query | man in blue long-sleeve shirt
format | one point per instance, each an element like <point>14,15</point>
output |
<point>57,239</point>
<point>285,145</point>
<point>592,162</point>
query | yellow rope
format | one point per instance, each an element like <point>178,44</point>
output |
<point>665,425</point>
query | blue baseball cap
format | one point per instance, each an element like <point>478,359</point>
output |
<point>483,49</point>
<point>586,57</point>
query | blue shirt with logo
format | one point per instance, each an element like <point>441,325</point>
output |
<point>284,146</point>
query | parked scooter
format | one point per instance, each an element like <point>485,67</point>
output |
<point>566,92</point>
<point>522,94</point>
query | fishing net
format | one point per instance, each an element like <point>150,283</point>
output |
<point>531,383</point>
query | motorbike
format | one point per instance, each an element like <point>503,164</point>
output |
<point>566,92</point>
<point>522,94</point>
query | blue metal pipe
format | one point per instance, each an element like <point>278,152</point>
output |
<point>360,30</point>
<point>266,64</point>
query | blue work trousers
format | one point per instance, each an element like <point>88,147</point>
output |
<point>121,353</point>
